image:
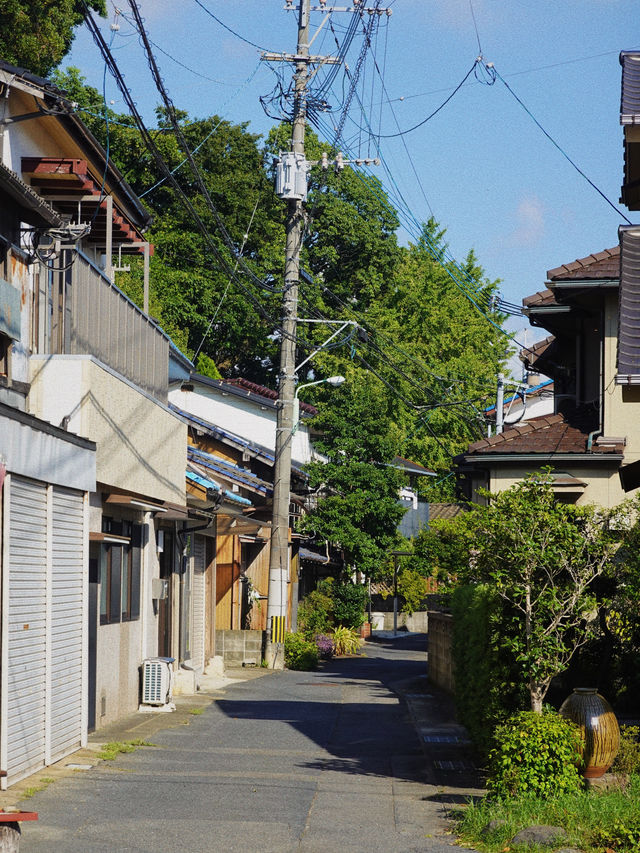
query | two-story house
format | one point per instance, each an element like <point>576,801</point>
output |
<point>592,309</point>
<point>93,501</point>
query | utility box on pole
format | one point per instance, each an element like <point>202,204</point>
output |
<point>291,176</point>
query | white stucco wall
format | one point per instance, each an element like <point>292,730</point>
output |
<point>141,445</point>
<point>242,417</point>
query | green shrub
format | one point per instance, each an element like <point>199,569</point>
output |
<point>349,602</point>
<point>346,641</point>
<point>488,689</point>
<point>628,758</point>
<point>300,653</point>
<point>315,611</point>
<point>535,754</point>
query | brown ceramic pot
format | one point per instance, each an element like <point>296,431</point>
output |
<point>600,729</point>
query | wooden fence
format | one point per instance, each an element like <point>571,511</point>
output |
<point>440,656</point>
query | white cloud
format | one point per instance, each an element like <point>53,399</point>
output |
<point>530,223</point>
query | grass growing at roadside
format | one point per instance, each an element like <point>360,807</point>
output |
<point>594,821</point>
<point>111,750</point>
<point>45,781</point>
<point>196,711</point>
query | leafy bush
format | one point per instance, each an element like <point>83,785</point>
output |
<point>488,689</point>
<point>349,602</point>
<point>412,586</point>
<point>300,653</point>
<point>325,646</point>
<point>535,754</point>
<point>346,641</point>
<point>628,758</point>
<point>315,611</point>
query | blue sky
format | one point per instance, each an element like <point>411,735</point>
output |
<point>484,169</point>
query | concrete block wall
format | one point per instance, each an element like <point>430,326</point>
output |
<point>418,621</point>
<point>240,647</point>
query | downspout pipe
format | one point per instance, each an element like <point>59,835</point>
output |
<point>592,435</point>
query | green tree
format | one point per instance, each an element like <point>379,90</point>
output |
<point>37,34</point>
<point>357,509</point>
<point>434,355</point>
<point>541,556</point>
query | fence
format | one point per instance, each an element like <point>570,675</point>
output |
<point>440,650</point>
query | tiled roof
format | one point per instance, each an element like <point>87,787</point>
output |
<point>542,298</point>
<point>547,434</point>
<point>630,96</point>
<point>263,391</point>
<point>437,510</point>
<point>530,355</point>
<point>605,264</point>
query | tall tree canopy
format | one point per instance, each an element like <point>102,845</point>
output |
<point>422,345</point>
<point>37,34</point>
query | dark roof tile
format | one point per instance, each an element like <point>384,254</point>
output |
<point>605,264</point>
<point>547,434</point>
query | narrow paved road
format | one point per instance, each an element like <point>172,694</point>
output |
<point>294,761</point>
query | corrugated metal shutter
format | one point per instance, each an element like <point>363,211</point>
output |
<point>629,303</point>
<point>67,622</point>
<point>26,670</point>
<point>198,596</point>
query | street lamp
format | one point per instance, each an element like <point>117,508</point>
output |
<point>334,381</point>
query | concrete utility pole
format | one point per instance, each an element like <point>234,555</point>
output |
<point>279,553</point>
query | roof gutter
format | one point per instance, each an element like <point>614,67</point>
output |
<point>489,458</point>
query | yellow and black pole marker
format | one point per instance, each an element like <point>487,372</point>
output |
<point>278,628</point>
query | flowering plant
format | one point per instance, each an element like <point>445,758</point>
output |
<point>325,646</point>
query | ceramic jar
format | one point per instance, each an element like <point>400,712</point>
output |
<point>600,729</point>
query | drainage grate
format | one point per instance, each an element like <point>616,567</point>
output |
<point>453,765</point>
<point>445,739</point>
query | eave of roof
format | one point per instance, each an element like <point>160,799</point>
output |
<point>35,210</point>
<point>242,476</point>
<point>46,91</point>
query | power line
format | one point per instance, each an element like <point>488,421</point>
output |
<point>436,111</point>
<point>493,70</point>
<point>227,28</point>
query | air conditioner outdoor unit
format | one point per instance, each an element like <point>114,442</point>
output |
<point>157,680</point>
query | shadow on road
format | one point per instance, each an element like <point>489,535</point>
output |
<point>356,718</point>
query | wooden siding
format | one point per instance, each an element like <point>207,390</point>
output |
<point>228,570</point>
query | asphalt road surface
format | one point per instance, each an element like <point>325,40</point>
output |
<point>294,761</point>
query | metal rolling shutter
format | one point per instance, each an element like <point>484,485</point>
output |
<point>26,647</point>
<point>198,603</point>
<point>67,622</point>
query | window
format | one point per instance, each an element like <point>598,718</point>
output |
<point>120,565</point>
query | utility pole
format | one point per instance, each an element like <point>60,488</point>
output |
<point>279,550</point>
<point>291,184</point>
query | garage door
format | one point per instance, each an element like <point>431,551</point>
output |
<point>45,600</point>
